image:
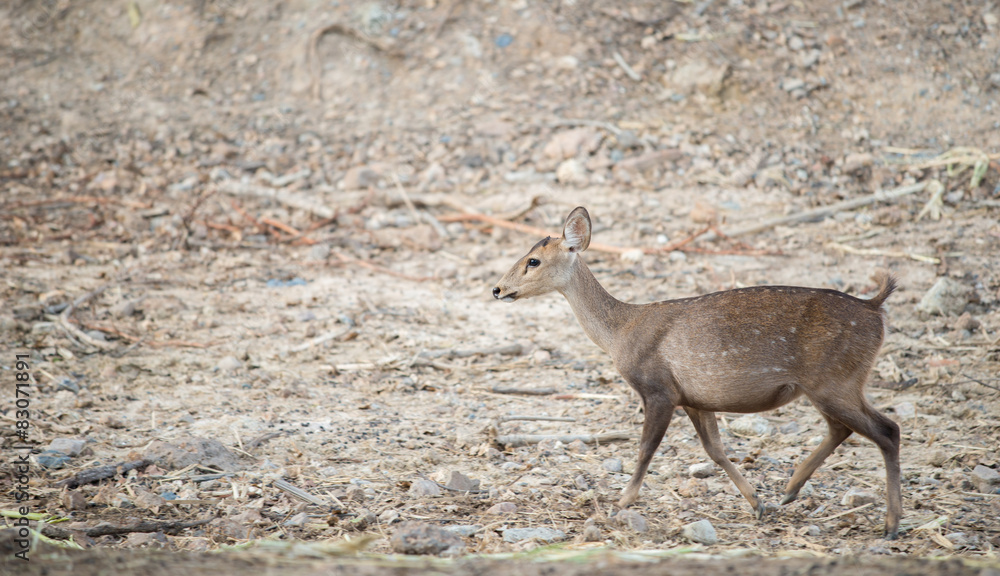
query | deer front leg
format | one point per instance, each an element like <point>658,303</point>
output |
<point>659,411</point>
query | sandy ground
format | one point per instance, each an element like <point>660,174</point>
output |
<point>255,232</point>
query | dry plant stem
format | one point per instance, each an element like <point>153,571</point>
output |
<point>321,339</point>
<point>100,473</point>
<point>105,529</point>
<point>527,417</point>
<point>624,66</point>
<point>876,252</point>
<point>293,199</point>
<point>75,200</point>
<point>517,440</point>
<point>525,391</point>
<point>76,332</point>
<point>879,196</point>
<point>298,492</point>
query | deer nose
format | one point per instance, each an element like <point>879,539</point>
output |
<point>496,292</point>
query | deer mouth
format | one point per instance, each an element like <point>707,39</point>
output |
<point>505,298</point>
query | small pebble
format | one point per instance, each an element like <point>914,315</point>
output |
<point>702,470</point>
<point>701,532</point>
<point>613,465</point>
<point>542,534</point>
<point>424,488</point>
<point>857,497</point>
<point>632,520</point>
<point>502,508</point>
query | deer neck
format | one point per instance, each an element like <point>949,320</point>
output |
<point>602,316</point>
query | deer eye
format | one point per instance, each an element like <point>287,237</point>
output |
<point>534,262</point>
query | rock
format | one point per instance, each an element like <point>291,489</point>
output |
<point>362,520</point>
<point>541,534</point>
<point>857,497</point>
<point>458,481</point>
<point>697,76</point>
<point>577,447</point>
<point>502,508</point>
<point>856,162</point>
<point>751,425</point>
<point>792,84</point>
<point>790,428</point>
<point>905,410</point>
<point>423,538</point>
<point>613,465</point>
<point>692,488</point>
<point>945,297</point>
<point>297,521</point>
<point>591,533</point>
<point>68,446</point>
<point>569,143</point>
<point>185,452</point>
<point>986,479</point>
<point>228,364</point>
<point>581,482</point>
<point>52,460</point>
<point>702,470</point>
<point>359,177</point>
<point>701,532</point>
<point>811,530</point>
<point>632,520</point>
<point>464,530</point>
<point>388,517</point>
<point>424,488</point>
<point>355,493</point>
<point>966,322</point>
<point>572,171</point>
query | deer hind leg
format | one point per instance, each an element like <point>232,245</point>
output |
<point>659,411</point>
<point>878,428</point>
<point>708,431</point>
<point>837,433</point>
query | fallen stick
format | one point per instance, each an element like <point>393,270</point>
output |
<point>624,66</point>
<point>876,252</point>
<point>76,332</point>
<point>846,512</point>
<point>509,350</point>
<point>321,339</point>
<point>517,440</point>
<point>75,200</point>
<point>101,473</point>
<point>298,492</point>
<point>878,196</point>
<point>528,417</point>
<point>525,391</point>
<point>106,529</point>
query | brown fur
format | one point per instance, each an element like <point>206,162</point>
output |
<point>745,350</point>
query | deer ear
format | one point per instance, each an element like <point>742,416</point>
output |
<point>576,231</point>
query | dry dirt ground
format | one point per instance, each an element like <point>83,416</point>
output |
<point>254,231</point>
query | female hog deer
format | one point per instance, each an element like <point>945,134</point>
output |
<point>745,350</point>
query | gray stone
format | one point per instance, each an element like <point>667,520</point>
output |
<point>632,520</point>
<point>751,425</point>
<point>464,530</point>
<point>422,538</point>
<point>857,497</point>
<point>592,534</point>
<point>701,532</point>
<point>184,452</point>
<point>697,76</point>
<point>572,171</point>
<point>541,534</point>
<point>68,446</point>
<point>458,481</point>
<point>424,488</point>
<point>502,508</point>
<point>986,479</point>
<point>702,470</point>
<point>945,297</point>
<point>229,363</point>
<point>613,465</point>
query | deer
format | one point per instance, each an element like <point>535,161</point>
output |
<point>744,350</point>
